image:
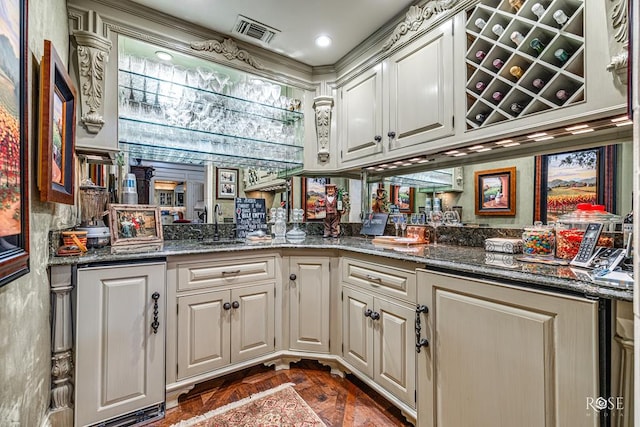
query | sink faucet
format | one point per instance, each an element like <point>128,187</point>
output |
<point>217,211</point>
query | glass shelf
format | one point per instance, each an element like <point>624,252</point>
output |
<point>213,146</point>
<point>435,178</point>
<point>190,110</point>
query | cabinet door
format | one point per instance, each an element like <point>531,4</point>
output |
<point>530,357</point>
<point>119,359</point>
<point>361,117</point>
<point>394,349</point>
<point>420,79</point>
<point>252,322</point>
<point>357,332</point>
<point>309,304</point>
<point>203,333</point>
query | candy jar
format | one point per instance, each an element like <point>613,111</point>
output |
<point>539,240</point>
<point>571,226</point>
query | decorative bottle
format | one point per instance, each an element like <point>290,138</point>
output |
<point>627,224</point>
<point>280,226</point>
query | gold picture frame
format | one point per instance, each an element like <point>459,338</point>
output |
<point>135,224</point>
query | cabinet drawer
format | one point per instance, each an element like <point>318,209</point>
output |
<point>387,280</point>
<point>225,273</point>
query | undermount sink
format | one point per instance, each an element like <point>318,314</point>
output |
<point>221,242</point>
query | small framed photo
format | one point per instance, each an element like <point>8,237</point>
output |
<point>227,183</point>
<point>402,197</point>
<point>314,198</point>
<point>496,192</point>
<point>135,224</point>
<point>57,130</point>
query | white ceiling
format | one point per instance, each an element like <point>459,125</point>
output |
<point>347,22</point>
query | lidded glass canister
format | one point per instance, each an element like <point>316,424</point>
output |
<point>571,226</point>
<point>539,240</point>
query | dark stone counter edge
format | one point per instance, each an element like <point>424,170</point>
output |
<point>441,263</point>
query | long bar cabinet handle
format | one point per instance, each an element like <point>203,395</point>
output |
<point>155,324</point>
<point>420,342</point>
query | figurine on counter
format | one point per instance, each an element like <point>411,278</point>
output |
<point>335,208</point>
<point>380,203</point>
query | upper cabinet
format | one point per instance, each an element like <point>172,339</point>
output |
<point>402,102</point>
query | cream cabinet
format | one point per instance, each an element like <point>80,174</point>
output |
<point>378,313</point>
<point>119,341</point>
<point>378,340</point>
<point>309,299</point>
<point>499,355</point>
<point>401,103</point>
<point>223,315</point>
<point>222,327</point>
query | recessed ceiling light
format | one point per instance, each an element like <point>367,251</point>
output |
<point>511,144</point>
<point>578,132</point>
<point>544,138</point>
<point>415,159</point>
<point>451,152</point>
<point>423,161</point>
<point>476,147</point>
<point>392,167</point>
<point>165,56</point>
<point>459,154</point>
<point>576,127</point>
<point>628,122</point>
<point>482,150</point>
<point>504,141</point>
<point>323,41</point>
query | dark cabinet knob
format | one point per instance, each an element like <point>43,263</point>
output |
<point>391,134</point>
<point>421,308</point>
<point>292,276</point>
<point>235,304</point>
<point>422,343</point>
<point>375,315</point>
<point>367,313</point>
<point>226,306</point>
<point>377,138</point>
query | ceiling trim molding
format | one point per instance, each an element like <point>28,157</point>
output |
<point>229,49</point>
<point>415,17</point>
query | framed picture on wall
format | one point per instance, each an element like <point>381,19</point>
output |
<point>495,192</point>
<point>14,145</point>
<point>314,198</point>
<point>564,180</point>
<point>402,197</point>
<point>57,129</point>
<point>226,183</point>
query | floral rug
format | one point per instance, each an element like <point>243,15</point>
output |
<point>278,407</point>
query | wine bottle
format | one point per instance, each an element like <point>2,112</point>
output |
<point>537,45</point>
<point>498,63</point>
<point>538,83</point>
<point>516,71</point>
<point>480,86</point>
<point>561,54</point>
<point>497,30</point>
<point>560,17</point>
<point>480,55</point>
<point>480,23</point>
<point>517,37</point>
<point>538,10</point>
<point>497,96</point>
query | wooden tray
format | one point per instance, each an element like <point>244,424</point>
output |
<point>396,241</point>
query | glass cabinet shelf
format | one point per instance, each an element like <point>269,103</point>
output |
<point>428,179</point>
<point>190,110</point>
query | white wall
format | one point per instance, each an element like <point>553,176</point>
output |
<point>25,349</point>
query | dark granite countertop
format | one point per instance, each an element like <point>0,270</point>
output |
<point>463,260</point>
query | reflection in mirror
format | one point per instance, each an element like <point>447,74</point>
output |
<point>460,193</point>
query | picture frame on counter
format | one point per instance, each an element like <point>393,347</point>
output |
<point>563,180</point>
<point>226,183</point>
<point>403,197</point>
<point>495,192</point>
<point>135,224</point>
<point>314,197</point>
<point>14,148</point>
<point>57,130</point>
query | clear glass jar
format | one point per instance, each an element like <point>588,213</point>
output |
<point>570,228</point>
<point>539,240</point>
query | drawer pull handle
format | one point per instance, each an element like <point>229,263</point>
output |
<point>235,304</point>
<point>226,306</point>
<point>155,324</point>
<point>374,278</point>
<point>378,138</point>
<point>230,273</point>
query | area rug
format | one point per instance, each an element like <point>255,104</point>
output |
<point>277,407</point>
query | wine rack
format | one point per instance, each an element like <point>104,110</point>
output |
<point>521,61</point>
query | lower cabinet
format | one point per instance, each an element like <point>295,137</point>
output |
<point>378,340</point>
<point>309,299</point>
<point>119,341</point>
<point>504,356</point>
<point>227,326</point>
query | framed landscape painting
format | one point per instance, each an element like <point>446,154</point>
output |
<point>14,164</point>
<point>314,197</point>
<point>495,192</point>
<point>564,180</point>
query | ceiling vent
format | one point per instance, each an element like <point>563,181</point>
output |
<point>254,29</point>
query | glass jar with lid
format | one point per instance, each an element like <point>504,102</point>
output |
<point>571,226</point>
<point>539,240</point>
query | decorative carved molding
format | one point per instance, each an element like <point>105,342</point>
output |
<point>416,16</point>
<point>229,49</point>
<point>93,54</point>
<point>61,388</point>
<point>322,106</point>
<point>620,23</point>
